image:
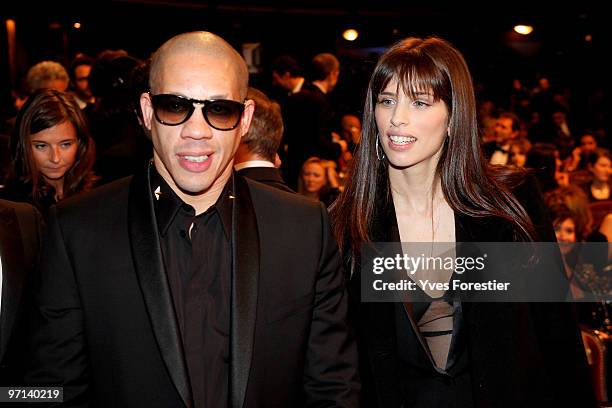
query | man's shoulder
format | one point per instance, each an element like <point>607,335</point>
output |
<point>287,217</point>
<point>309,93</point>
<point>19,208</point>
<point>269,176</point>
<point>108,196</point>
<point>264,195</point>
<point>27,215</point>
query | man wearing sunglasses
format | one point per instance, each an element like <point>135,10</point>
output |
<point>189,285</point>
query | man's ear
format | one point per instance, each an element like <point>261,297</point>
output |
<point>247,116</point>
<point>147,109</point>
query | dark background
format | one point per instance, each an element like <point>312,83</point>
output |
<point>557,48</point>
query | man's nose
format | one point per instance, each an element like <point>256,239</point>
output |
<point>197,127</point>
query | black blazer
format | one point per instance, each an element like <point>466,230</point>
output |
<point>106,327</point>
<point>515,354</point>
<point>309,119</point>
<point>20,230</point>
<point>266,175</point>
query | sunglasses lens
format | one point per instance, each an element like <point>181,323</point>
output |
<point>170,109</point>
<point>223,114</point>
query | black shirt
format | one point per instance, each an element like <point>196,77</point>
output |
<point>197,257</point>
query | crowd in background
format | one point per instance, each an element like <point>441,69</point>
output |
<point>80,126</point>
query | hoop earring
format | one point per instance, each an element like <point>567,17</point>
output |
<point>377,152</point>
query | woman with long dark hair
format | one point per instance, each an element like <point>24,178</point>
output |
<point>419,176</point>
<point>53,154</point>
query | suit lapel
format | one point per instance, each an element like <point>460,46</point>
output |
<point>245,280</point>
<point>13,273</point>
<point>148,261</point>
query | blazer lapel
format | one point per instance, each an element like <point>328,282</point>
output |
<point>148,261</point>
<point>472,229</point>
<point>486,229</point>
<point>13,273</point>
<point>393,235</point>
<point>245,280</point>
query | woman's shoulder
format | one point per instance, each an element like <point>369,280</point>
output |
<point>526,190</point>
<point>529,195</point>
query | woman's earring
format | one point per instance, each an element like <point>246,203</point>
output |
<point>378,154</point>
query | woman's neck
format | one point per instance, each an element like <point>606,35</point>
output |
<point>58,185</point>
<point>415,190</point>
<point>600,190</point>
<point>599,184</point>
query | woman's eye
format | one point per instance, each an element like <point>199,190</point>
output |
<point>67,144</point>
<point>386,102</point>
<point>39,146</point>
<point>420,104</point>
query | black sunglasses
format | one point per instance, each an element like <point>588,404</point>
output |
<point>173,110</point>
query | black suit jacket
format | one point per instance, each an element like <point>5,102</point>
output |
<point>267,175</point>
<point>106,327</point>
<point>515,354</point>
<point>20,228</point>
<point>309,119</point>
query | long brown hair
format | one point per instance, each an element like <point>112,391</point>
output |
<point>469,186</point>
<point>44,109</point>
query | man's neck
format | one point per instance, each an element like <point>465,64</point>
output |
<point>322,85</point>
<point>245,155</point>
<point>253,163</point>
<point>201,201</point>
<point>296,85</point>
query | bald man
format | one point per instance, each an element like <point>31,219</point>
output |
<point>189,285</point>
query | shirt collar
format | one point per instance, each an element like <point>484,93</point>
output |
<point>320,87</point>
<point>298,86</point>
<point>167,203</point>
<point>253,163</point>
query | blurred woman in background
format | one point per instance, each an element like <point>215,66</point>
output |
<point>600,166</point>
<point>52,152</point>
<point>518,151</point>
<point>318,180</point>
